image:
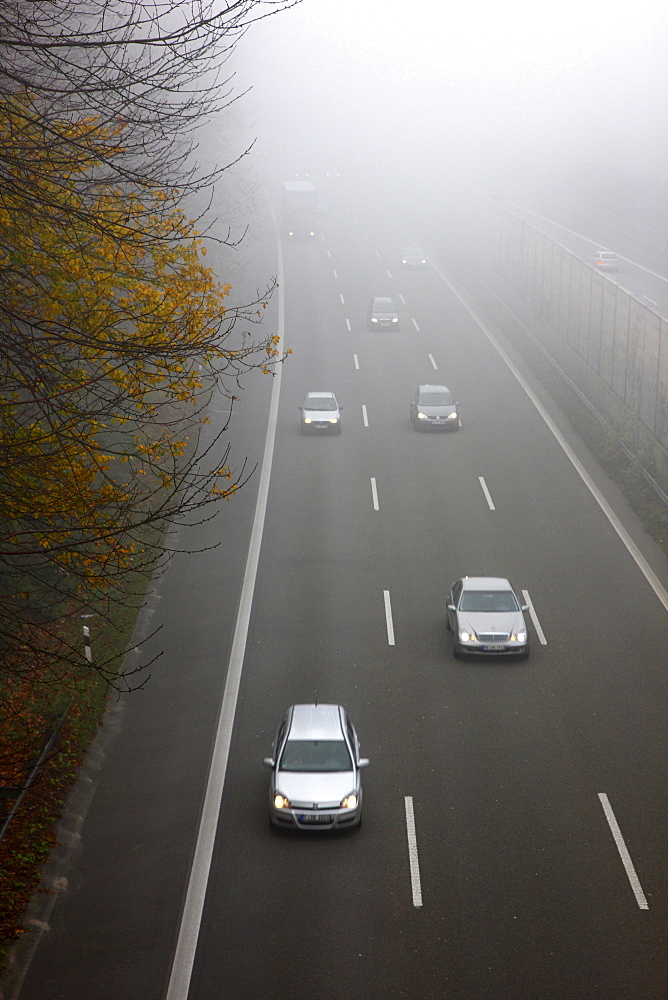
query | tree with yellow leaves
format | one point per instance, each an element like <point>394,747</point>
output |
<point>113,332</point>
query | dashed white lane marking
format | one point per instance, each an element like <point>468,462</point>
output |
<point>374,495</point>
<point>348,324</point>
<point>388,618</point>
<point>416,326</point>
<point>488,497</point>
<point>356,362</point>
<point>403,300</point>
<point>343,301</point>
<point>365,416</point>
<point>534,618</point>
<point>433,363</point>
<point>376,253</point>
<point>632,548</point>
<point>388,273</point>
<point>623,852</point>
<point>329,254</point>
<point>413,851</point>
<point>335,274</point>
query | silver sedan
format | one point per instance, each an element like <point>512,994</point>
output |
<point>315,770</point>
<point>484,615</point>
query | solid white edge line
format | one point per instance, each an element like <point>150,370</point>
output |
<point>617,525</point>
<point>416,326</point>
<point>365,416</point>
<point>374,494</point>
<point>388,618</point>
<point>534,618</point>
<point>488,497</point>
<point>186,945</point>
<point>433,363</point>
<point>623,852</point>
<point>356,362</point>
<point>416,886</point>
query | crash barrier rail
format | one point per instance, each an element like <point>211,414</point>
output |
<point>612,346</point>
<point>18,792</point>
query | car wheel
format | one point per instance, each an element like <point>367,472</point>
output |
<point>338,429</point>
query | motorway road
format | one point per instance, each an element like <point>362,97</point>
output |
<point>523,891</point>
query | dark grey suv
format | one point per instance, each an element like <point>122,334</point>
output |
<point>382,314</point>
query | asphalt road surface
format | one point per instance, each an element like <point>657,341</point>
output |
<point>513,842</point>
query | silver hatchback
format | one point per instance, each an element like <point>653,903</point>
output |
<point>320,411</point>
<point>382,314</point>
<point>484,615</point>
<point>315,770</point>
<point>433,406</point>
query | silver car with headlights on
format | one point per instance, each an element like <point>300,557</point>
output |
<point>315,770</point>
<point>320,412</point>
<point>432,406</point>
<point>484,616</point>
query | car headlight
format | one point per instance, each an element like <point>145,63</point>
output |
<point>374,319</point>
<point>350,801</point>
<point>452,416</point>
<point>519,637</point>
<point>280,801</point>
<point>465,636</point>
<point>334,420</point>
<point>307,420</point>
<point>395,319</point>
<point>422,416</point>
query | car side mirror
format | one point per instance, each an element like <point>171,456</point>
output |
<point>451,607</point>
<point>300,407</point>
<point>525,607</point>
<point>363,762</point>
<point>458,403</point>
<point>268,761</point>
<point>340,409</point>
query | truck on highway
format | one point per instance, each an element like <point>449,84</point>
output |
<point>300,209</point>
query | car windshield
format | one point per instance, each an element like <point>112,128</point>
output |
<point>384,305</point>
<point>435,399</point>
<point>488,600</point>
<point>316,755</point>
<point>320,403</point>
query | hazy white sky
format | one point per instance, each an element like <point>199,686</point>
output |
<point>587,74</point>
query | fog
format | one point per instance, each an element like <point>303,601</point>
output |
<point>500,92</point>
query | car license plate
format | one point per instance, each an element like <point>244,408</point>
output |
<point>315,818</point>
<point>493,648</point>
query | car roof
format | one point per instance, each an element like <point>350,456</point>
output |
<point>320,395</point>
<point>486,583</point>
<point>606,253</point>
<point>433,388</point>
<point>384,300</point>
<point>316,722</point>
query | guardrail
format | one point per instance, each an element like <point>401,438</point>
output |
<point>18,792</point>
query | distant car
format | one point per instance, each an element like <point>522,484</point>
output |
<point>320,412</point>
<point>432,406</point>
<point>604,260</point>
<point>484,615</point>
<point>382,314</point>
<point>315,770</point>
<point>413,257</point>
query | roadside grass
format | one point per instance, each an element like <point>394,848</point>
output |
<point>605,445</point>
<point>32,832</point>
